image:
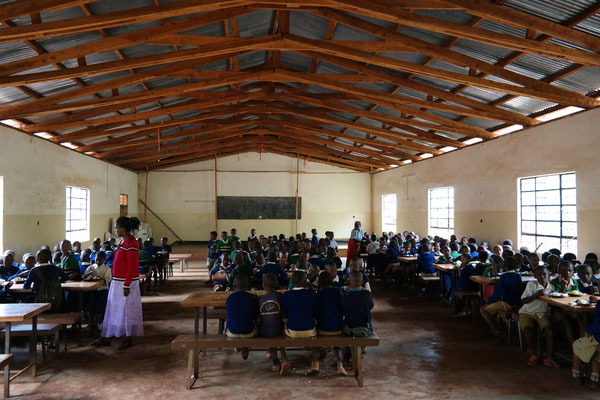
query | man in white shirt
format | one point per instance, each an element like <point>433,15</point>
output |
<point>332,243</point>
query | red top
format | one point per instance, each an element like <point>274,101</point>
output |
<point>126,265</point>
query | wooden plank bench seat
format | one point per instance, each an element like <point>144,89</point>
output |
<point>432,284</point>
<point>471,298</point>
<point>6,359</point>
<point>42,330</point>
<point>198,342</point>
<point>64,319</point>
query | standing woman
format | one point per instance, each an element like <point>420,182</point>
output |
<point>123,315</point>
<point>356,237</point>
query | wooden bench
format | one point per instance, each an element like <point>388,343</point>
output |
<point>193,343</point>
<point>471,298</point>
<point>6,359</point>
<point>432,284</point>
<point>43,330</point>
<point>511,317</point>
<point>65,319</point>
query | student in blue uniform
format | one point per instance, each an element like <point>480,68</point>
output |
<point>242,312</point>
<point>338,278</point>
<point>426,260</point>
<point>272,267</point>
<point>357,305</point>
<point>329,314</point>
<point>299,306</point>
<point>271,321</point>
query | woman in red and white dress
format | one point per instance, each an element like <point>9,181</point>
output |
<point>123,315</point>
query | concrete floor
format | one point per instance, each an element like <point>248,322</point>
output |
<point>426,352</point>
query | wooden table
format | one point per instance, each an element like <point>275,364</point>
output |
<point>72,286</point>
<point>446,267</point>
<point>182,258</point>
<point>10,313</point>
<point>408,259</point>
<point>565,303</point>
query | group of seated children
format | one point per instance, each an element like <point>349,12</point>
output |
<point>300,313</point>
<point>44,273</point>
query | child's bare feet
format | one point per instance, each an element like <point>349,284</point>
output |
<point>314,368</point>
<point>341,370</point>
<point>549,362</point>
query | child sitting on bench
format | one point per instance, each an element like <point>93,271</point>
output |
<point>299,306</point>
<point>587,349</point>
<point>357,305</point>
<point>271,323</point>
<point>99,271</point>
<point>242,312</point>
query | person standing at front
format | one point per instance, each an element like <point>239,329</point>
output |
<point>123,315</point>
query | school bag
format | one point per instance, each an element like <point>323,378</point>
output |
<point>50,290</point>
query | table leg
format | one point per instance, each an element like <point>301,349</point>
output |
<point>193,355</point>
<point>33,346</point>
<point>181,265</point>
<point>80,306</point>
<point>7,366</point>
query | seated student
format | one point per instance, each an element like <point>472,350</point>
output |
<point>225,244</point>
<point>9,266</point>
<point>283,259</point>
<point>241,268</point>
<point>536,313</point>
<point>145,260</point>
<point>463,250</point>
<point>272,267</point>
<point>315,258</point>
<point>586,285</point>
<point>533,260</point>
<point>332,242</point>
<point>28,264</point>
<point>393,251</point>
<point>56,257</point>
<point>497,250</point>
<point>506,297</point>
<point>467,269</point>
<point>294,255</point>
<point>571,323</point>
<point>331,257</point>
<point>586,349</point>
<point>426,260</point>
<point>99,271</point>
<point>595,269</point>
<point>242,312</point>
<point>164,245</point>
<point>221,270</point>
<point>357,305</point>
<point>258,263</point>
<point>233,235</point>
<point>473,250</point>
<point>270,319</point>
<point>329,314</point>
<point>446,257</point>
<point>68,262</point>
<point>45,279</point>
<point>408,249</point>
<point>482,262</point>
<point>299,306</point>
<point>212,255</point>
<point>237,248</point>
<point>356,265</point>
<point>491,271</point>
<point>109,254</point>
<point>338,278</point>
<point>553,261</point>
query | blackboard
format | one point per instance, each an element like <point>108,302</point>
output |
<point>239,207</point>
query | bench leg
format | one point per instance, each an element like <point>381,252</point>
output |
<point>57,342</point>
<point>192,373</point>
<point>7,366</point>
<point>357,364</point>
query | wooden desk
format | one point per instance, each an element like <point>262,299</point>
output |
<point>10,313</point>
<point>409,259</point>
<point>445,267</point>
<point>565,303</point>
<point>182,258</point>
<point>72,286</point>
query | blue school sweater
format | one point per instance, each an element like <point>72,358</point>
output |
<point>299,305</point>
<point>594,328</point>
<point>272,268</point>
<point>317,261</point>
<point>411,252</point>
<point>357,305</point>
<point>508,289</point>
<point>242,310</point>
<point>464,281</point>
<point>212,249</point>
<point>392,255</point>
<point>48,271</point>
<point>426,260</point>
<point>329,310</point>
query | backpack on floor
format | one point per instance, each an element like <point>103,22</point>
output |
<point>50,290</point>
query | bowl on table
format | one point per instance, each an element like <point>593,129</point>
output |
<point>558,295</point>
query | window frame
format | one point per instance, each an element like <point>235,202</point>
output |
<point>561,204</point>
<point>81,235</point>
<point>123,205</point>
<point>436,230</point>
<point>384,224</point>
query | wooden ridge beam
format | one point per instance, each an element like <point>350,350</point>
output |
<point>175,161</point>
<point>21,8</point>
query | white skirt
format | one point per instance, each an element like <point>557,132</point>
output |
<point>123,315</point>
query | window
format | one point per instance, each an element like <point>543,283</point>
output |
<point>441,212</point>
<point>548,212</point>
<point>388,212</point>
<point>124,203</point>
<point>78,214</point>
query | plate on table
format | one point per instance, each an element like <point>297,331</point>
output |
<point>575,293</point>
<point>582,302</point>
<point>558,295</point>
